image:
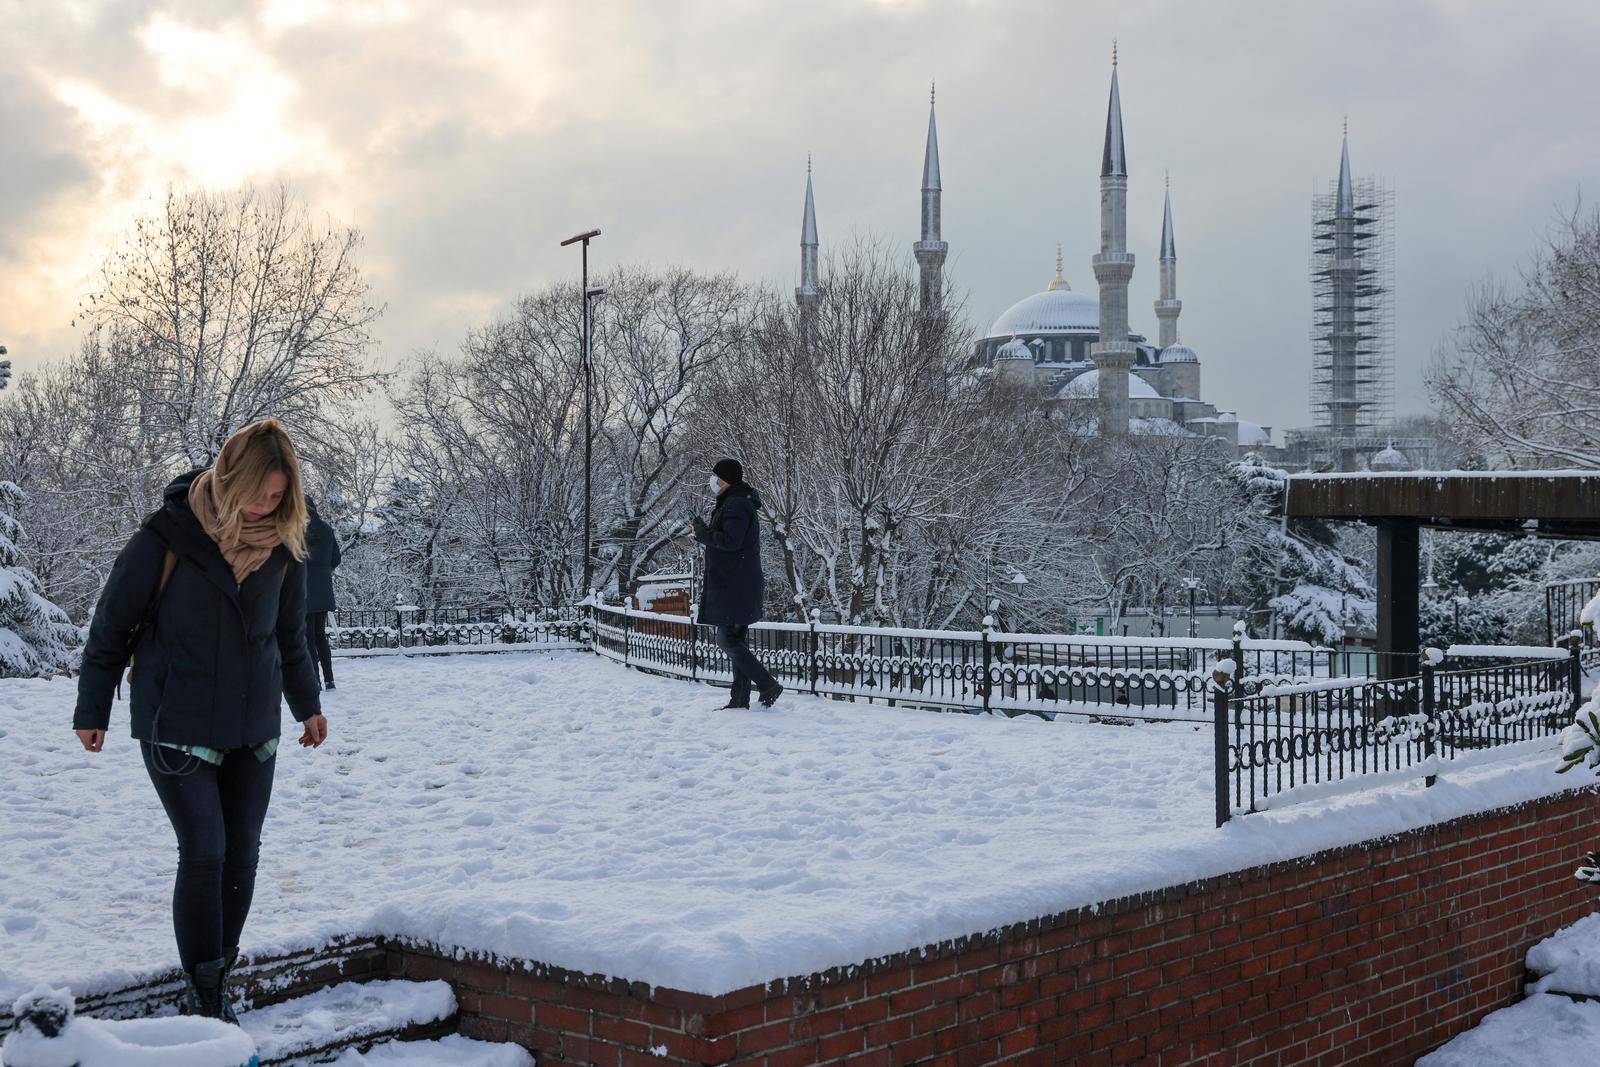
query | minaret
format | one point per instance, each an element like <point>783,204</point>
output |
<point>930,250</point>
<point>1113,269</point>
<point>1345,336</point>
<point>1169,305</point>
<point>808,293</point>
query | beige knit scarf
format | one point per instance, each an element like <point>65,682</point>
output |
<point>248,548</point>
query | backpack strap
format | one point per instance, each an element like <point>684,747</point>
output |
<point>169,563</point>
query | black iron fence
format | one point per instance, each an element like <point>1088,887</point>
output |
<point>1563,615</point>
<point>452,626</point>
<point>977,670</point>
<point>1310,737</point>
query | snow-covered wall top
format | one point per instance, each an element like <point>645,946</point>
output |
<point>1363,475</point>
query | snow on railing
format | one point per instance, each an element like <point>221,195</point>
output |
<point>1506,652</point>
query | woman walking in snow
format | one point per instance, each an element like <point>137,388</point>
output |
<point>731,599</point>
<point>322,558</point>
<point>207,601</point>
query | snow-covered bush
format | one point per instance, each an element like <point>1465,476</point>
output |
<point>1297,569</point>
<point>1580,746</point>
<point>35,635</point>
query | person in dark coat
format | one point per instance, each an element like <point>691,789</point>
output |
<point>731,598</point>
<point>207,602</point>
<point>322,556</point>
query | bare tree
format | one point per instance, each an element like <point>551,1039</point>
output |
<point>754,405</point>
<point>655,339</point>
<point>883,377</point>
<point>502,424</point>
<point>227,308</point>
<point>1517,377</point>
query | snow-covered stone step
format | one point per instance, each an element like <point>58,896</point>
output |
<point>1542,1031</point>
<point>1568,961</point>
<point>455,1050</point>
<point>351,1015</point>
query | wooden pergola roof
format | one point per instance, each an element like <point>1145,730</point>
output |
<point>1563,504</point>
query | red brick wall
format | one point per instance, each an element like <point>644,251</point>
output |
<point>1370,954</point>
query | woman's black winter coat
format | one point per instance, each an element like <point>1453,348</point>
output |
<point>217,658</point>
<point>732,536</point>
<point>322,556</point>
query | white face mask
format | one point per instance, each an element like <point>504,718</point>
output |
<point>716,485</point>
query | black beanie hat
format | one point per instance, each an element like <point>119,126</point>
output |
<point>730,471</point>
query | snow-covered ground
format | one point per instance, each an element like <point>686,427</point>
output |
<point>1543,1031</point>
<point>558,807</point>
<point>1568,961</point>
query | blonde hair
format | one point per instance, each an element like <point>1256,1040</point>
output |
<point>240,476</point>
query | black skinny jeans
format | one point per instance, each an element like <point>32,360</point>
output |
<point>747,670</point>
<point>317,642</point>
<point>216,813</point>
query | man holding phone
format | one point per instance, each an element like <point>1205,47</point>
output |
<point>731,599</point>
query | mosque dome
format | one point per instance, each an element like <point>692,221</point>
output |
<point>1086,386</point>
<point>1178,353</point>
<point>1016,348</point>
<point>1390,459</point>
<point>1056,310</point>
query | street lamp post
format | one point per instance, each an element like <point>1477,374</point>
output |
<point>1192,584</point>
<point>588,390</point>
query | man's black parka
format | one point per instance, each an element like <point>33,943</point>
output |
<point>733,587</point>
<point>218,657</point>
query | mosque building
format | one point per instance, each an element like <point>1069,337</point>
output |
<point>1053,339</point>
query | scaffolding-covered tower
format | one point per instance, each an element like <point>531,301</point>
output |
<point>1352,321</point>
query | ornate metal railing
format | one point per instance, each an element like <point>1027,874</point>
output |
<point>977,670</point>
<point>1309,737</point>
<point>1563,614</point>
<point>505,632</point>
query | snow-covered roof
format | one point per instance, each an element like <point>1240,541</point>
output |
<point>1390,459</point>
<point>1087,385</point>
<point>1016,348</point>
<point>1059,310</point>
<point>1251,433</point>
<point>1179,353</point>
<point>1157,427</point>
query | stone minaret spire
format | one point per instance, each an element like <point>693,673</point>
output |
<point>930,250</point>
<point>1113,269</point>
<point>1347,201</point>
<point>1169,305</point>
<point>806,296</point>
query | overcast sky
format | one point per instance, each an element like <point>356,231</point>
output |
<point>465,138</point>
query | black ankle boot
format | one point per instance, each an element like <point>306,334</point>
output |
<point>203,989</point>
<point>225,995</point>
